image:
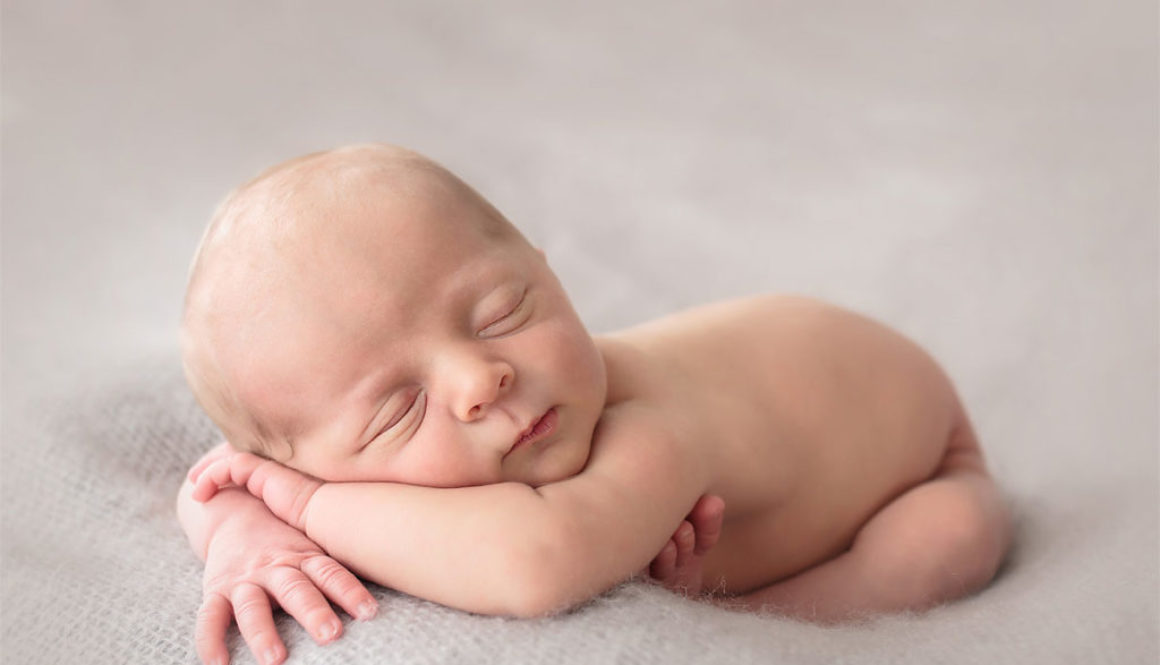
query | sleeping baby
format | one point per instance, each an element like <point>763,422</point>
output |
<point>406,387</point>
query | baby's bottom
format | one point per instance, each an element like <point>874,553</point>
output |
<point>938,541</point>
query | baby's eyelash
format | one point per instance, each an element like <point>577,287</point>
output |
<point>399,417</point>
<point>518,307</point>
<point>510,310</point>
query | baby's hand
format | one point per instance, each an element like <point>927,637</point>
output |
<point>678,565</point>
<point>250,561</point>
<point>285,491</point>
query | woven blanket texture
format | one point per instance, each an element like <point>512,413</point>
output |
<point>96,570</point>
<point>980,176</point>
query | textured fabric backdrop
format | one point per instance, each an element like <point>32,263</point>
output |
<point>982,176</point>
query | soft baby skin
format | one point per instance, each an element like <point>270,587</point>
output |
<point>405,385</point>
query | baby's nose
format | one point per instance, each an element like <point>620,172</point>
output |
<point>481,383</point>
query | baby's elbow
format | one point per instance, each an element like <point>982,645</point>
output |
<point>534,602</point>
<point>541,581</point>
<point>534,591</point>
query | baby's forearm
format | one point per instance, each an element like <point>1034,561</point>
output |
<point>493,549</point>
<point>505,548</point>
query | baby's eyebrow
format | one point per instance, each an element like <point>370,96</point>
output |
<point>478,285</point>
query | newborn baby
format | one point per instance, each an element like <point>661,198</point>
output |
<point>422,402</point>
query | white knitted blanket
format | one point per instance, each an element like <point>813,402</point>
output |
<point>981,176</point>
<point>96,570</point>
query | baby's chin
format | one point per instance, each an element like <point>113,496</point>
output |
<point>561,460</point>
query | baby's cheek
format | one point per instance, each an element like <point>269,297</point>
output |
<point>583,374</point>
<point>566,354</point>
<point>437,462</point>
<point>587,364</point>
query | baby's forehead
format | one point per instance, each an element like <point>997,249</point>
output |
<point>335,220</point>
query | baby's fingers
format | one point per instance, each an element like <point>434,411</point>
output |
<point>213,620</point>
<point>235,469</point>
<point>341,586</point>
<point>302,600</point>
<point>216,453</point>
<point>256,623</point>
<point>211,479</point>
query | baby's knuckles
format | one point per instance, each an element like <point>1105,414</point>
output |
<point>232,560</point>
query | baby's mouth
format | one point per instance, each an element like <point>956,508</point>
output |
<point>537,430</point>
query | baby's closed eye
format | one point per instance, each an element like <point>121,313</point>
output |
<point>401,414</point>
<point>511,316</point>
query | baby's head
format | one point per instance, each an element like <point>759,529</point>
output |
<point>362,314</point>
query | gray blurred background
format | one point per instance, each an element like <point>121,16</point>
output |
<point>981,175</point>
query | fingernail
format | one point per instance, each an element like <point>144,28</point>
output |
<point>328,631</point>
<point>367,610</point>
<point>270,657</point>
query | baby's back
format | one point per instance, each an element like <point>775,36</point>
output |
<point>812,418</point>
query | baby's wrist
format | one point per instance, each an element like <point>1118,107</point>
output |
<point>315,516</point>
<point>311,504</point>
<point>238,508</point>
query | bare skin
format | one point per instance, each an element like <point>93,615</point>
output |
<point>254,562</point>
<point>437,379</point>
<point>836,543</point>
<point>861,474</point>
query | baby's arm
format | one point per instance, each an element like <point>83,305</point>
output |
<point>529,551</point>
<point>251,556</point>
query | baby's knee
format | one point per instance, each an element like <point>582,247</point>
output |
<point>960,551</point>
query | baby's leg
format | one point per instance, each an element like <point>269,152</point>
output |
<point>941,540</point>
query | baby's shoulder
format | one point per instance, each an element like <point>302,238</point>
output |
<point>756,319</point>
<point>721,345</point>
<point>774,310</point>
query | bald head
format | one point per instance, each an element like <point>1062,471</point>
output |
<point>266,216</point>
<point>276,237</point>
